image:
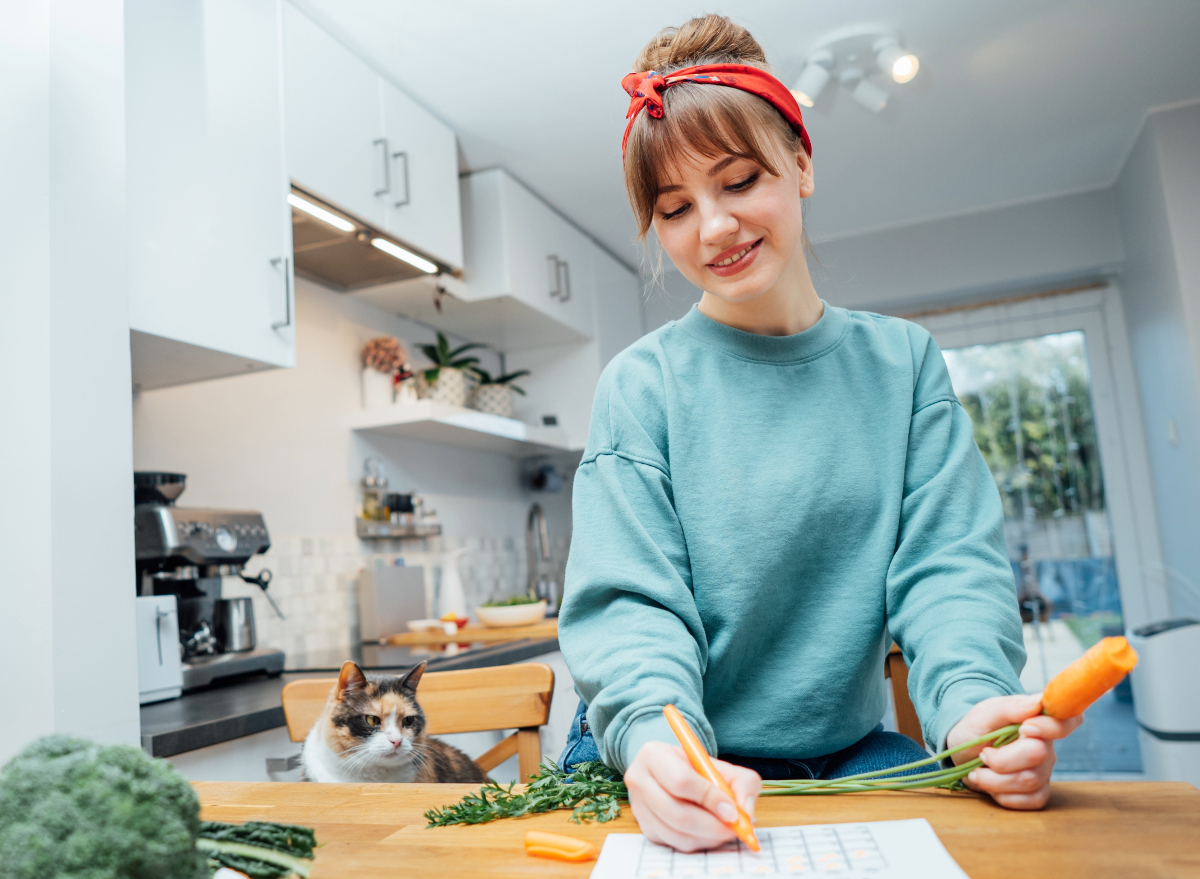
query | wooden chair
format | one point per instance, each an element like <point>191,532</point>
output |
<point>475,700</point>
<point>907,721</point>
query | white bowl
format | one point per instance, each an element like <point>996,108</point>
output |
<point>511,615</point>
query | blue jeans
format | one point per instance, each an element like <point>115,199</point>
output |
<point>876,750</point>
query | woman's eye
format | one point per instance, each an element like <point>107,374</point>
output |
<point>410,720</point>
<point>744,183</point>
<point>678,212</point>
<point>371,719</point>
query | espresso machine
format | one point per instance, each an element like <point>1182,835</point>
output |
<point>184,552</point>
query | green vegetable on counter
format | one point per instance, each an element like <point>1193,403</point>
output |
<point>509,602</point>
<point>73,809</point>
<point>259,849</point>
<point>592,791</point>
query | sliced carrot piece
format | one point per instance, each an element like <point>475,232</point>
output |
<point>1088,678</point>
<point>559,846</point>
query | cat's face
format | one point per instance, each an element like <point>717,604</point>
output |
<point>375,722</point>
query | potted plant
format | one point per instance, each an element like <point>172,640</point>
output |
<point>494,395</point>
<point>448,380</point>
<point>381,358</point>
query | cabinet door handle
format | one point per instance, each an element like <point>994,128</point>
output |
<point>287,292</point>
<point>403,156</point>
<point>387,171</point>
<point>552,271</point>
<point>564,282</point>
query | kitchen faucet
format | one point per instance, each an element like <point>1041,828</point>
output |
<point>547,589</point>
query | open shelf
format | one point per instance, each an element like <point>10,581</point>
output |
<point>433,422</point>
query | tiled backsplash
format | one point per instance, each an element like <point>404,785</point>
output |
<point>315,581</point>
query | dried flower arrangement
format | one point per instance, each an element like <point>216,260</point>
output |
<point>384,354</point>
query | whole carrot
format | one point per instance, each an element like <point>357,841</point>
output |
<point>702,763</point>
<point>559,846</point>
<point>1088,678</point>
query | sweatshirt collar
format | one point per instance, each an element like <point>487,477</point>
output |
<point>818,339</point>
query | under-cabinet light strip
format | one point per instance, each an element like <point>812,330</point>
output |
<point>393,249</point>
<point>320,213</point>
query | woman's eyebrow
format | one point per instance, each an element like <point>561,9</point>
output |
<point>721,165</point>
<point>674,187</point>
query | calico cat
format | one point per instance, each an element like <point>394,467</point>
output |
<point>374,731</point>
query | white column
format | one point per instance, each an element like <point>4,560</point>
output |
<point>68,661</point>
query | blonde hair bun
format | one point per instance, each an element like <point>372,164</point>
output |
<point>710,39</point>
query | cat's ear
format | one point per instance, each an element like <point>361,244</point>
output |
<point>410,680</point>
<point>351,678</point>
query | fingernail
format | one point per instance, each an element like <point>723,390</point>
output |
<point>983,756</point>
<point>726,812</point>
<point>1028,729</point>
<point>973,778</point>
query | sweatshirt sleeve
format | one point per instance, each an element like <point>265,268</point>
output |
<point>951,599</point>
<point>629,629</point>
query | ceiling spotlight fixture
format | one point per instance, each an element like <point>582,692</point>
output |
<point>854,58</point>
<point>320,213</point>
<point>813,77</point>
<point>866,93</point>
<point>870,96</point>
<point>393,249</point>
<point>899,64</point>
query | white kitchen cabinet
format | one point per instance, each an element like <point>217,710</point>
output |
<point>617,304</point>
<point>562,380</point>
<point>335,140</point>
<point>422,198</point>
<point>518,247</point>
<point>359,143</point>
<point>210,290</point>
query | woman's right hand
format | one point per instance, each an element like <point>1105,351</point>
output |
<point>674,805</point>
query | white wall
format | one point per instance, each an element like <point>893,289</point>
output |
<point>669,300</point>
<point>1158,194</point>
<point>67,654</point>
<point>984,255</point>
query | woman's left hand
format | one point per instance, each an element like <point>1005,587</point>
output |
<point>1017,776</point>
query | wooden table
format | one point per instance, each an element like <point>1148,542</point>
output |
<point>1090,829</point>
<point>472,634</point>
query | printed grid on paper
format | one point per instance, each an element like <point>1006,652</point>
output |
<point>820,850</point>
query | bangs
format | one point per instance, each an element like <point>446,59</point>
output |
<point>700,120</point>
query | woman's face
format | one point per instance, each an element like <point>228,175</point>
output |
<point>730,227</point>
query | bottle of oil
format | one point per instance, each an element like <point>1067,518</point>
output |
<point>374,487</point>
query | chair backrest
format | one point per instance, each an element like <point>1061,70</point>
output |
<point>907,722</point>
<point>501,697</point>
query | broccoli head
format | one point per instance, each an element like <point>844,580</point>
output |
<point>72,809</point>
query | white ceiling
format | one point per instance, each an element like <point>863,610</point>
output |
<point>1015,100</point>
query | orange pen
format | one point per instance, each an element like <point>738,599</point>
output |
<point>702,763</point>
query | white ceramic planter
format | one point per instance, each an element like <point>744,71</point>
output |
<point>453,386</point>
<point>494,399</point>
<point>376,388</point>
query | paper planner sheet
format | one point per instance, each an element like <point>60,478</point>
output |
<point>879,849</point>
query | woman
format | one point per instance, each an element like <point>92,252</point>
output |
<point>773,490</point>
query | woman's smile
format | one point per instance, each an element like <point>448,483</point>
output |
<point>736,259</point>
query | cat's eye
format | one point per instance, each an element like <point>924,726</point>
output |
<point>371,720</point>
<point>410,720</point>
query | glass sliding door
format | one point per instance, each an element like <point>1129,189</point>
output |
<point>1026,376</point>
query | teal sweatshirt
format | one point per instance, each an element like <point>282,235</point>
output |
<point>756,518</point>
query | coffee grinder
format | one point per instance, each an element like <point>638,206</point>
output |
<point>185,551</point>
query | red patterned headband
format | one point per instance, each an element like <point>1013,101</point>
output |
<point>646,90</point>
